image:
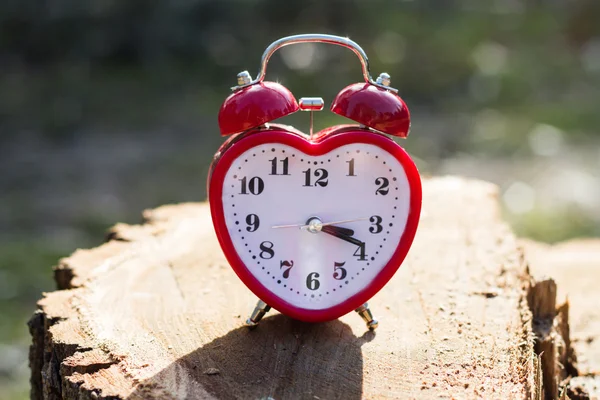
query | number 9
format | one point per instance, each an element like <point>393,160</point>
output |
<point>253,222</point>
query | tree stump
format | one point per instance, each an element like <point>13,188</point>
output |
<point>156,312</point>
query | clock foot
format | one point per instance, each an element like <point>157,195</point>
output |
<point>365,313</point>
<point>259,312</point>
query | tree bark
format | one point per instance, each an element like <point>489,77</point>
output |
<point>571,338</point>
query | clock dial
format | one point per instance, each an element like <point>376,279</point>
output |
<point>356,197</point>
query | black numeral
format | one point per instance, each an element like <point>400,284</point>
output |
<point>312,282</point>
<point>321,175</point>
<point>288,265</point>
<point>383,186</point>
<point>253,222</point>
<point>266,250</point>
<point>339,273</point>
<point>255,186</point>
<point>360,252</point>
<point>376,222</point>
<point>351,167</point>
<point>274,168</point>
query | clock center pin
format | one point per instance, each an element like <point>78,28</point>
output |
<point>314,225</point>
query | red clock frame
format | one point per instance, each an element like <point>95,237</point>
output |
<point>324,143</point>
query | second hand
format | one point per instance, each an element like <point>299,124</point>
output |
<point>304,226</point>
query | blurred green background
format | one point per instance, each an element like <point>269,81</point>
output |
<point>109,107</point>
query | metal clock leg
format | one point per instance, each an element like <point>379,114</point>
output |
<point>367,316</point>
<point>259,312</point>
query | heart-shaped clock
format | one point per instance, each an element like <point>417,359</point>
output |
<point>314,225</point>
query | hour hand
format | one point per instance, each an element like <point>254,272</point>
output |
<point>335,232</point>
<point>331,229</point>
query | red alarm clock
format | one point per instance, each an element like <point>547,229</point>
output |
<point>314,225</point>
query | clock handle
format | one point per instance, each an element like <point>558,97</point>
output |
<point>372,103</point>
<point>315,38</point>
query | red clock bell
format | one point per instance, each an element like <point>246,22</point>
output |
<point>314,225</point>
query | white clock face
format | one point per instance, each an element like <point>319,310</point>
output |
<point>275,185</point>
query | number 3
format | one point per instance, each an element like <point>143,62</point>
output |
<point>376,221</point>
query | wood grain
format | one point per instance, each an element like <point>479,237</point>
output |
<point>156,312</point>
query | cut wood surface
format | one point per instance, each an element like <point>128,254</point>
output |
<point>156,312</point>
